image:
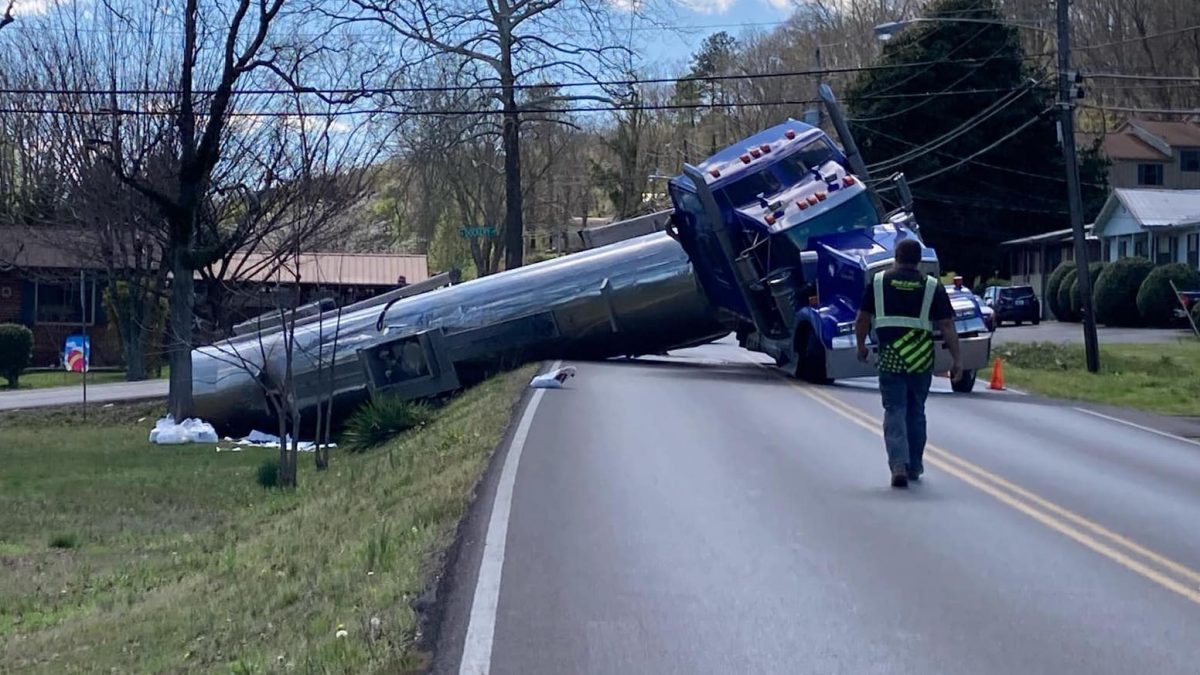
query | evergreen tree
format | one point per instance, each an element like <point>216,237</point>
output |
<point>980,70</point>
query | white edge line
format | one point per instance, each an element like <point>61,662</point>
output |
<point>481,626</point>
<point>1127,423</point>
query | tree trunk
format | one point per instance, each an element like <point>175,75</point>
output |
<point>132,307</point>
<point>179,330</point>
<point>514,226</point>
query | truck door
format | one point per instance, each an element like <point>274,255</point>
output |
<point>698,239</point>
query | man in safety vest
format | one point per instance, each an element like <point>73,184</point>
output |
<point>904,306</point>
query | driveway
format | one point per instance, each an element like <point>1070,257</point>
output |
<point>1054,331</point>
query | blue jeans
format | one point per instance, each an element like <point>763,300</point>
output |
<point>904,417</point>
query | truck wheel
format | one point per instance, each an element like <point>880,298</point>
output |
<point>811,353</point>
<point>966,384</point>
<point>1037,321</point>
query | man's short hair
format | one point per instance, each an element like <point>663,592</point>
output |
<point>908,252</point>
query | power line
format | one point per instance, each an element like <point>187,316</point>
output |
<point>1141,38</point>
<point>485,88</point>
<point>992,109</point>
<point>1148,111</point>
<point>481,111</point>
<point>1123,76</point>
<point>1028,123</point>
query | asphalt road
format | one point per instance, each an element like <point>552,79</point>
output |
<point>699,514</point>
<point>1053,331</point>
<point>96,393</point>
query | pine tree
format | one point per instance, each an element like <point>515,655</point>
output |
<point>1014,189</point>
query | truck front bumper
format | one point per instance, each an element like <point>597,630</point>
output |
<point>842,362</point>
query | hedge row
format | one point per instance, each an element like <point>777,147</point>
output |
<point>1128,292</point>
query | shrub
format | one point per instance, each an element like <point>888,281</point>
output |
<point>382,419</point>
<point>64,541</point>
<point>1053,284</point>
<point>1156,301</point>
<point>268,473</point>
<point>16,351</point>
<point>1076,299</point>
<point>1117,290</point>
<point>1196,313</point>
<point>1063,297</point>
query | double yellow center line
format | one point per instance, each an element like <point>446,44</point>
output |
<point>1156,567</point>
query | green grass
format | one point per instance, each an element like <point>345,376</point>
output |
<point>1161,378</point>
<point>60,378</point>
<point>180,561</point>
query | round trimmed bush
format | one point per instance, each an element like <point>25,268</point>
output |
<point>1156,301</point>
<point>1117,291</point>
<point>1196,313</point>
<point>1054,283</point>
<point>16,351</point>
<point>1076,299</point>
<point>1062,299</point>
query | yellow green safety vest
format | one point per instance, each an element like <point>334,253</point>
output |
<point>884,320</point>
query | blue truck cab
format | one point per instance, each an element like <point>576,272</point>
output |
<point>784,238</point>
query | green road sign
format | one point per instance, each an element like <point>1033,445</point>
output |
<point>472,232</point>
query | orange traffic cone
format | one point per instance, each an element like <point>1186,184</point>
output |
<point>997,376</point>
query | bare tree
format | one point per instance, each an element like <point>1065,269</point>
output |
<point>503,46</point>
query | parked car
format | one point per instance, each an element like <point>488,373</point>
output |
<point>959,292</point>
<point>989,314</point>
<point>1017,304</point>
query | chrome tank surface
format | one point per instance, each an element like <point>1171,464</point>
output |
<point>634,297</point>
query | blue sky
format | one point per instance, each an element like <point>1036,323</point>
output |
<point>698,18</point>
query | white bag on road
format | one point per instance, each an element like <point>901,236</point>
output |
<point>553,379</point>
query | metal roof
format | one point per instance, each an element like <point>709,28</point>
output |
<point>1154,208</point>
<point>1049,237</point>
<point>334,269</point>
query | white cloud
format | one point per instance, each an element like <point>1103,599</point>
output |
<point>31,7</point>
<point>707,6</point>
<point>781,4</point>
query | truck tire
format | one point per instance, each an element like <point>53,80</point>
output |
<point>811,355</point>
<point>965,384</point>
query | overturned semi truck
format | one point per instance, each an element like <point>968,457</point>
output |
<point>773,239</point>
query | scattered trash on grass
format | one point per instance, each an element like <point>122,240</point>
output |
<point>259,439</point>
<point>191,430</point>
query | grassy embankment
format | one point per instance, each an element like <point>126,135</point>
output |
<point>120,556</point>
<point>1161,378</point>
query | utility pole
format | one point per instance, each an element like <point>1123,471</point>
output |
<point>1066,110</point>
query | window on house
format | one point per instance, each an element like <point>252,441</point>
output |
<point>1164,249</point>
<point>1139,246</point>
<point>1189,160</point>
<point>1150,174</point>
<point>1122,249</point>
<point>1193,244</point>
<point>59,302</point>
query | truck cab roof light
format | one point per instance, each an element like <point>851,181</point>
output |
<point>958,283</point>
<point>715,173</point>
<point>802,204</point>
<point>812,200</point>
<point>745,159</point>
<point>770,218</point>
<point>765,147</point>
<point>755,153</point>
<point>849,180</point>
<point>813,300</point>
<point>791,135</point>
<point>821,196</point>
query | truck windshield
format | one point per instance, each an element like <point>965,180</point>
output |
<point>856,213</point>
<point>797,167</point>
<point>746,190</point>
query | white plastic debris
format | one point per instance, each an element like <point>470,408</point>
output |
<point>259,439</point>
<point>553,379</point>
<point>191,430</point>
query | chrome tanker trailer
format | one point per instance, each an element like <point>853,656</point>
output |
<point>773,239</point>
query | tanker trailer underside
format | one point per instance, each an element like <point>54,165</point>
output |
<point>630,298</point>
